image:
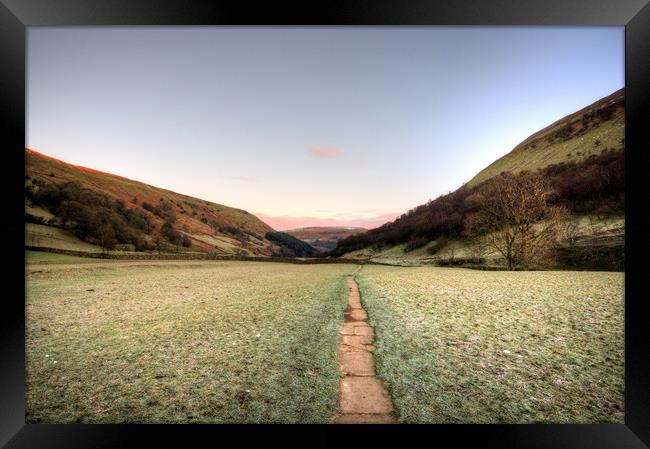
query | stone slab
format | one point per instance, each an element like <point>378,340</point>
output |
<point>358,323</point>
<point>356,348</point>
<point>353,302</point>
<point>357,363</point>
<point>358,315</point>
<point>363,330</point>
<point>358,418</point>
<point>364,395</point>
<point>355,340</point>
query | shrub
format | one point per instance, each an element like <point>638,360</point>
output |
<point>437,245</point>
<point>167,230</point>
<point>90,215</point>
<point>165,210</point>
<point>418,242</point>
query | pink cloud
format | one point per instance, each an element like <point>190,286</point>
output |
<point>325,152</point>
<point>285,223</point>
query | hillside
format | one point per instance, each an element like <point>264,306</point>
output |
<point>324,238</point>
<point>581,157</point>
<point>138,213</point>
<point>575,137</point>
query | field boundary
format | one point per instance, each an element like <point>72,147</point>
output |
<point>186,256</point>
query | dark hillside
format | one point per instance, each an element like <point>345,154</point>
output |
<point>110,211</point>
<point>581,155</point>
<point>595,185</point>
<point>291,246</point>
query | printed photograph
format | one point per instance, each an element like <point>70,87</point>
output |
<point>325,225</point>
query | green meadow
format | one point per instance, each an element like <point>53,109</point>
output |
<point>112,341</point>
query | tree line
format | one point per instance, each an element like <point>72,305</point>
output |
<point>99,219</point>
<point>518,215</point>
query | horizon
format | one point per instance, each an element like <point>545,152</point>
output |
<point>404,108</point>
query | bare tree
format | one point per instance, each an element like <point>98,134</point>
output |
<point>450,252</point>
<point>518,219</point>
<point>569,232</point>
<point>478,247</point>
<point>158,243</point>
<point>106,237</point>
<point>477,244</point>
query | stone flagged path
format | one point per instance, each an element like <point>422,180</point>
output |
<point>363,399</point>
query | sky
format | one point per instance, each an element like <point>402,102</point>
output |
<point>308,126</point>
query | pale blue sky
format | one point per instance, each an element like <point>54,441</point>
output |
<point>327,122</point>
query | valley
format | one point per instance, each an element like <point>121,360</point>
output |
<point>324,238</point>
<point>580,156</point>
<point>499,302</point>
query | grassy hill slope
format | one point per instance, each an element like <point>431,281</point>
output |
<point>575,137</point>
<point>210,227</point>
<point>581,155</point>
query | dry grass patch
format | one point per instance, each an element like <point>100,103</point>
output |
<point>464,346</point>
<point>177,341</point>
<point>49,236</point>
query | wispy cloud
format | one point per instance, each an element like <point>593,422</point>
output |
<point>325,152</point>
<point>241,178</point>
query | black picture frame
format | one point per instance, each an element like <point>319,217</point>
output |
<point>16,15</point>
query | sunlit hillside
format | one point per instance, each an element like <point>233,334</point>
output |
<point>575,137</point>
<point>210,227</point>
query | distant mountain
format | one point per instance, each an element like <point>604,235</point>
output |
<point>100,208</point>
<point>324,238</point>
<point>582,155</point>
